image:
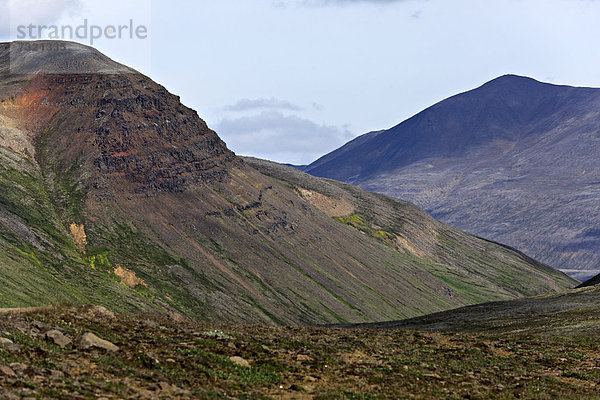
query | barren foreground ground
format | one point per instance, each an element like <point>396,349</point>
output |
<point>160,358</point>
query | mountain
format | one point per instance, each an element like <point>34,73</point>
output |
<point>114,193</point>
<point>515,160</point>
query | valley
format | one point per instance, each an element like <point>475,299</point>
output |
<point>114,193</point>
<point>141,258</point>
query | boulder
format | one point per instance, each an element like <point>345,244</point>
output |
<point>89,341</point>
<point>239,361</point>
<point>58,338</point>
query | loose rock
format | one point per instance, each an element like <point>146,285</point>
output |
<point>6,371</point>
<point>58,338</point>
<point>167,388</point>
<point>18,367</point>
<point>89,340</point>
<point>99,312</point>
<point>9,345</point>
<point>240,361</point>
<point>176,317</point>
<point>55,374</point>
<point>38,325</point>
<point>149,323</point>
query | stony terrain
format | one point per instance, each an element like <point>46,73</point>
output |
<point>515,161</point>
<point>160,358</point>
<point>114,193</point>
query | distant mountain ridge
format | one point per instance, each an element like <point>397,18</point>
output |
<point>515,160</point>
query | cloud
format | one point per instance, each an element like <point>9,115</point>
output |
<point>263,103</point>
<point>317,3</point>
<point>280,137</point>
<point>355,1</point>
<point>317,106</point>
<point>38,12</point>
<point>417,14</point>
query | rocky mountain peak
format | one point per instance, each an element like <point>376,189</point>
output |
<point>56,57</point>
<point>107,121</point>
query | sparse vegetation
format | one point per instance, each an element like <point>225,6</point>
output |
<point>186,360</point>
<point>362,225</point>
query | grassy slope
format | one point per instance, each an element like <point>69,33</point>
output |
<point>574,312</point>
<point>475,271</point>
<point>55,272</point>
<point>474,268</point>
<point>448,267</point>
<point>39,263</point>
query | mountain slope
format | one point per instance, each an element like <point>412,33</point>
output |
<point>514,160</point>
<point>569,313</point>
<point>115,193</point>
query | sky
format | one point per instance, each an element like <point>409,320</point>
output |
<point>291,80</point>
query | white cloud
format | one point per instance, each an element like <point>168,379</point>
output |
<point>41,11</point>
<point>37,12</point>
<point>262,103</point>
<point>280,137</point>
<point>341,2</point>
<point>317,106</point>
<point>317,3</point>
